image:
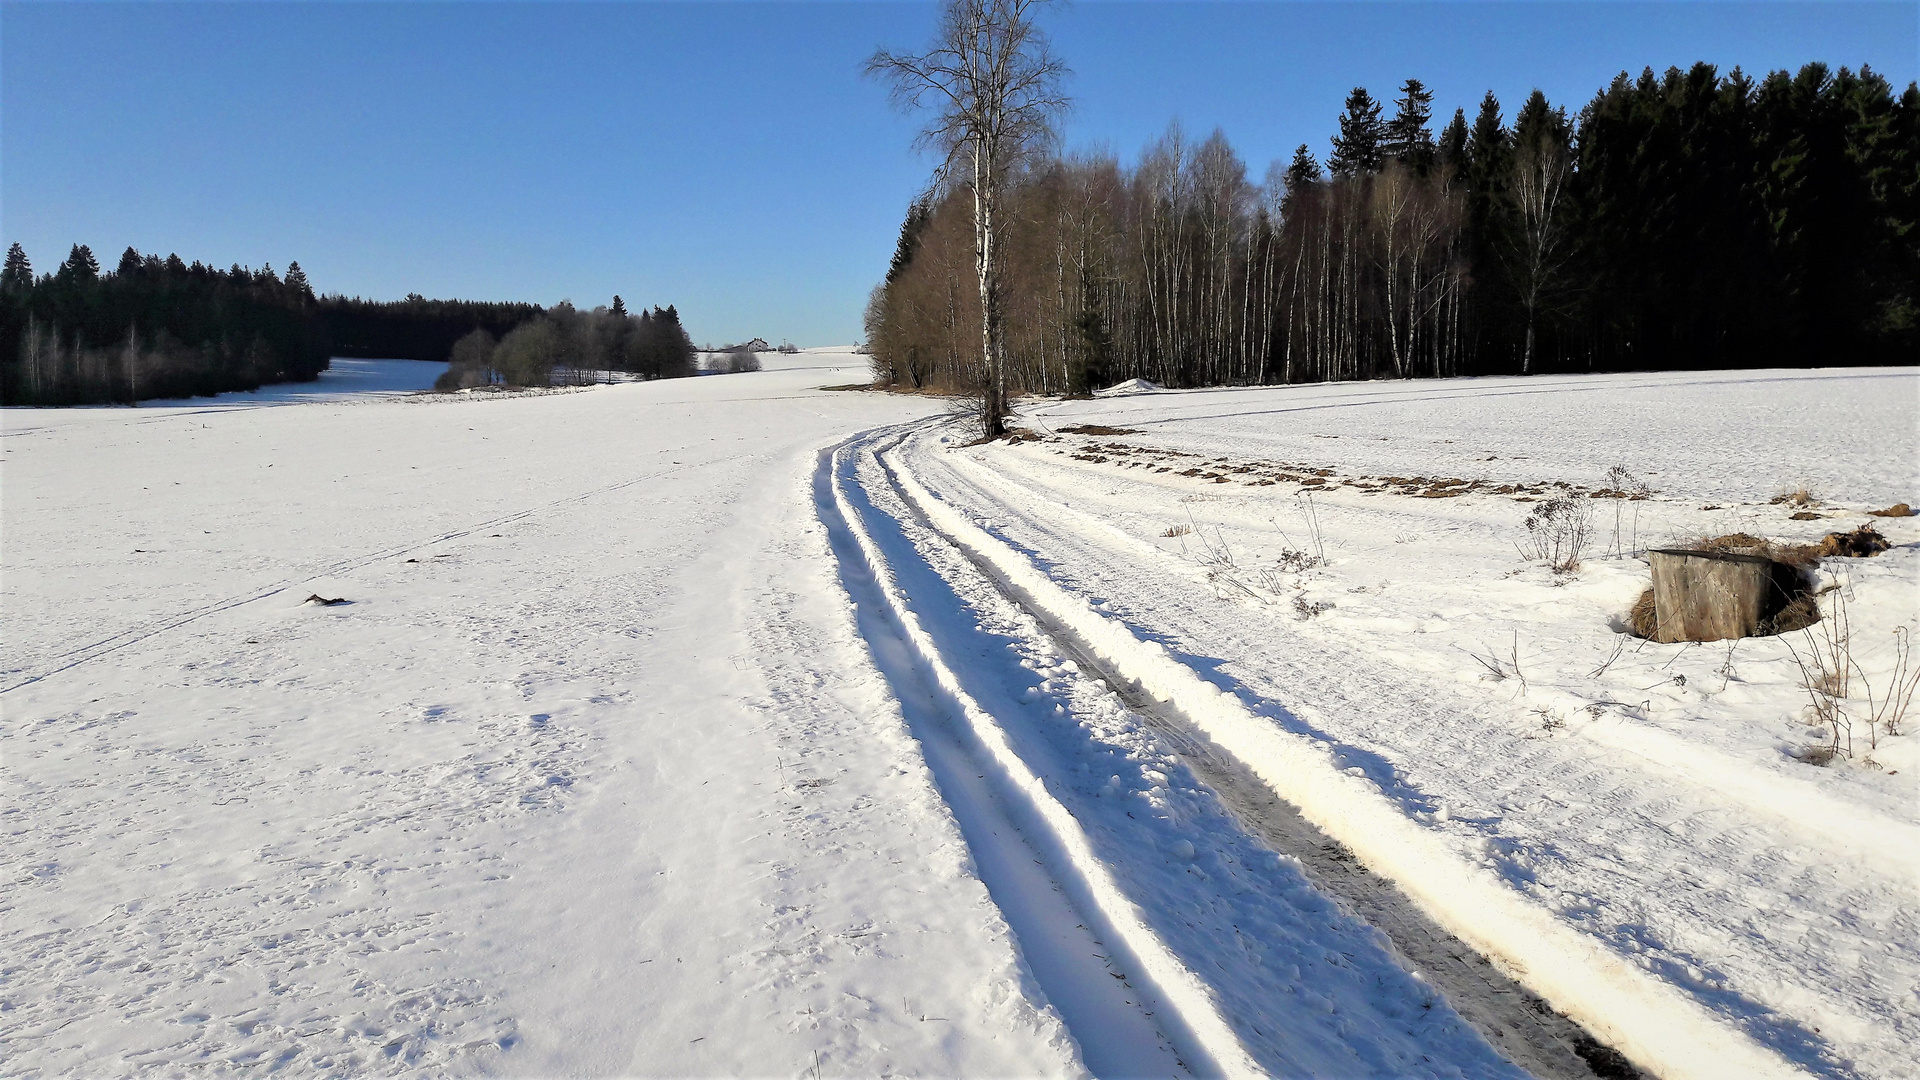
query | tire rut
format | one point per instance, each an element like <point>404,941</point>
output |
<point>1518,1023</point>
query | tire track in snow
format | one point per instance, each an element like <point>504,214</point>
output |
<point>1062,913</point>
<point>1651,1022</point>
<point>105,646</point>
<point>1522,1026</point>
<point>1776,926</point>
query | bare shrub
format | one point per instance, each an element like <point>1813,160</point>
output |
<point>1828,672</point>
<point>1558,532</point>
<point>1826,667</point>
<point>1888,713</point>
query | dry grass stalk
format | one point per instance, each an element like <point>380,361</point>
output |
<point>1643,621</point>
<point>1889,713</point>
<point>1828,671</point>
<point>1826,668</point>
<point>1625,487</point>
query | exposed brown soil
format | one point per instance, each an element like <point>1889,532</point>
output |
<point>1863,542</point>
<point>1896,510</point>
<point>1097,429</point>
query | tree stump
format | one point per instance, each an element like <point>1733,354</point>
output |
<point>1712,595</point>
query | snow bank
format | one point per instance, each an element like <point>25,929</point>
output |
<point>1128,389</point>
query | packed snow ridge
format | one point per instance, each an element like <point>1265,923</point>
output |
<point>736,725</point>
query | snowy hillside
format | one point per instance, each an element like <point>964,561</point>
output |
<point>733,725</point>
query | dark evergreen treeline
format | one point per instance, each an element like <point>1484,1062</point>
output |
<point>160,328</point>
<point>412,329</point>
<point>152,327</point>
<point>1690,220</point>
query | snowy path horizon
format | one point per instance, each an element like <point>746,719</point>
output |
<point>706,727</point>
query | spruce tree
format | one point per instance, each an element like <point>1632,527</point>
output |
<point>1488,139</point>
<point>18,275</point>
<point>619,306</point>
<point>1356,150</point>
<point>296,280</point>
<point>129,262</point>
<point>1302,170</point>
<point>80,264</point>
<point>1408,139</point>
<point>1452,152</point>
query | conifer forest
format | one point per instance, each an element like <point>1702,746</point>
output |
<point>1685,220</point>
<point>156,327</point>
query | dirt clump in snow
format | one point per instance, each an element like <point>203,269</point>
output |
<point>1097,429</point>
<point>1896,510</point>
<point>1862,543</point>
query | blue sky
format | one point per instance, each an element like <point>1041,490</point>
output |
<point>724,157</point>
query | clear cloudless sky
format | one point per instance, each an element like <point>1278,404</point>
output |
<point>724,157</point>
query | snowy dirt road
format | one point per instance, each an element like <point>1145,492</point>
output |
<point>730,726</point>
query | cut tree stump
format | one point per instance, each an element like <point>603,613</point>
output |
<point>1712,595</point>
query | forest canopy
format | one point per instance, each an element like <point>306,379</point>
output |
<point>1687,220</point>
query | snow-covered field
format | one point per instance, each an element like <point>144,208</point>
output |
<point>735,726</point>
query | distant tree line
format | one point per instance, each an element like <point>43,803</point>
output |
<point>157,327</point>
<point>575,346</point>
<point>412,329</point>
<point>1690,220</point>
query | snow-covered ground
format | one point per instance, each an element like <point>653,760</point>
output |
<point>736,726</point>
<point>1655,804</point>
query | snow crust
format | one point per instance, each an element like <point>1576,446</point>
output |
<point>602,783</point>
<point>715,726</point>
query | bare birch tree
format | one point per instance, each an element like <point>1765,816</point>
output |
<point>993,85</point>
